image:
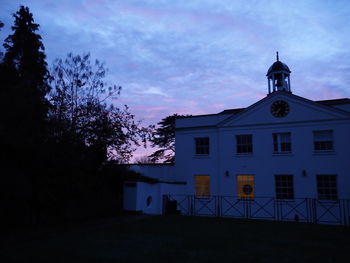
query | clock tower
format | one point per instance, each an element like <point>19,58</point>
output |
<point>278,77</point>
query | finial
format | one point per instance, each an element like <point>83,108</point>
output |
<point>277,56</point>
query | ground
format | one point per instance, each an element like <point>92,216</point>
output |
<point>178,239</point>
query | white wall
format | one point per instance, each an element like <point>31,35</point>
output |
<point>136,199</point>
<point>263,163</point>
<point>129,196</point>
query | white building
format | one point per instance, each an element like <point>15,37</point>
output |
<point>283,147</point>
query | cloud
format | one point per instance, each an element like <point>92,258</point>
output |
<point>199,56</point>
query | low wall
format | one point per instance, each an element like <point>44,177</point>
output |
<point>148,197</point>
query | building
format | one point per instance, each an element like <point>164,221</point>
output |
<point>284,147</point>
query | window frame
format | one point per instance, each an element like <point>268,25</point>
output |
<point>206,187</point>
<point>330,191</point>
<point>200,147</point>
<point>279,142</point>
<point>284,189</point>
<point>241,181</point>
<point>323,145</point>
<point>247,144</point>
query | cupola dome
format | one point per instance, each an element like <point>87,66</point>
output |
<point>278,66</point>
<point>278,77</point>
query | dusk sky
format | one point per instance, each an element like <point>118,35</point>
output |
<point>199,56</point>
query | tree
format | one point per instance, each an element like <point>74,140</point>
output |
<point>24,77</point>
<point>23,114</point>
<point>164,138</point>
<point>143,159</point>
<point>1,26</point>
<point>81,116</point>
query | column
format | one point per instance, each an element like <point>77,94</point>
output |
<point>289,84</point>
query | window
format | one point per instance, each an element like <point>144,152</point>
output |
<point>202,145</point>
<point>202,185</point>
<point>327,187</point>
<point>245,186</point>
<point>244,143</point>
<point>282,142</point>
<point>284,186</point>
<point>323,140</point>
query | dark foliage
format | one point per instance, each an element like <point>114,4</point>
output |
<point>1,26</point>
<point>55,147</point>
<point>80,115</point>
<point>23,114</point>
<point>24,75</point>
<point>143,159</point>
<point>163,137</point>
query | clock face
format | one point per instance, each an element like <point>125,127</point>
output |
<point>280,108</point>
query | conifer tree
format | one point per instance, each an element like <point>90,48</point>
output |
<point>24,77</point>
<point>23,116</point>
<point>163,137</point>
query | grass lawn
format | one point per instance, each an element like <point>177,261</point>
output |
<point>187,239</point>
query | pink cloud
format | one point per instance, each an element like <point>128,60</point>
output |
<point>195,17</point>
<point>192,102</point>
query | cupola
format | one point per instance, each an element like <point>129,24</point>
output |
<point>278,76</point>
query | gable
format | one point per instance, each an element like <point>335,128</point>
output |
<point>300,110</point>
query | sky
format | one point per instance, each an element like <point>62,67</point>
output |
<point>198,56</point>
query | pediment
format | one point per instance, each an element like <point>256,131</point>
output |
<point>300,110</point>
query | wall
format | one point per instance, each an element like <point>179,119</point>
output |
<point>148,198</point>
<point>263,164</point>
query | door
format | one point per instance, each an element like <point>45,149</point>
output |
<point>245,186</point>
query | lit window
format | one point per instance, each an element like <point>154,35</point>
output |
<point>327,187</point>
<point>282,142</point>
<point>323,140</point>
<point>202,185</point>
<point>284,186</point>
<point>202,145</point>
<point>244,143</point>
<point>245,186</point>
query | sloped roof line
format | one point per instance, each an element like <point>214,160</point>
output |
<point>316,103</point>
<point>238,110</point>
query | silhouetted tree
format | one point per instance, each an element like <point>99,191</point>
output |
<point>23,114</point>
<point>163,137</point>
<point>143,159</point>
<point>81,116</point>
<point>1,26</point>
<point>24,78</point>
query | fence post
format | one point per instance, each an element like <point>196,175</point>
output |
<point>314,211</point>
<point>217,198</point>
<point>165,200</point>
<point>277,210</point>
<point>348,211</point>
<point>189,205</point>
<point>193,205</point>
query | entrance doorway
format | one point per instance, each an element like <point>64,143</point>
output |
<point>245,186</point>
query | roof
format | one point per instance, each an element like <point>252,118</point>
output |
<point>334,101</point>
<point>232,111</point>
<point>228,111</point>
<point>238,110</point>
<point>278,66</point>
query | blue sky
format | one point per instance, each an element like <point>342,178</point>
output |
<point>199,56</point>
